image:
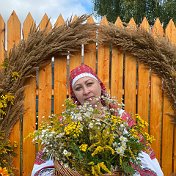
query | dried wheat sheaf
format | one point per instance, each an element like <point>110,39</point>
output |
<point>35,52</point>
<point>156,53</point>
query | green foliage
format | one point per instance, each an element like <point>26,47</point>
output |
<point>138,9</point>
<point>169,11</point>
<point>6,148</point>
<point>6,153</point>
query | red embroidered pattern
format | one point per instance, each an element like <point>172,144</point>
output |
<point>125,116</point>
<point>39,159</point>
<point>147,172</point>
<point>131,122</point>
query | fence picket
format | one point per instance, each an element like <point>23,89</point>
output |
<point>29,117</point>
<point>75,58</point>
<point>117,69</point>
<point>27,25</point>
<point>168,127</point>
<point>143,84</point>
<point>60,77</point>
<point>174,152</point>
<point>13,38</point>
<point>72,62</point>
<point>103,60</point>
<point>90,50</point>
<point>156,102</point>
<point>45,87</point>
<point>2,40</point>
<point>157,29</point>
<point>130,78</point>
<point>13,31</point>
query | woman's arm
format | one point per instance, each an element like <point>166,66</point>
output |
<point>42,167</point>
<point>149,164</point>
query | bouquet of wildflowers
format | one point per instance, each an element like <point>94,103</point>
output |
<point>91,142</point>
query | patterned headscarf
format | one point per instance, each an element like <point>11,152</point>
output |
<point>80,72</point>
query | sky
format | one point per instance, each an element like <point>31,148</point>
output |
<point>38,8</point>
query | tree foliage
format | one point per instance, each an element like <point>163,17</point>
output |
<point>138,9</point>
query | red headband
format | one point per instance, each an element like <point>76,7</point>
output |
<point>79,72</point>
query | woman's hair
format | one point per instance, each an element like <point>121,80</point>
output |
<point>80,72</point>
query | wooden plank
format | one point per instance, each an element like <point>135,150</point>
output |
<point>73,62</point>
<point>28,23</point>
<point>167,139</point>
<point>156,114</point>
<point>2,42</point>
<point>143,92</point>
<point>45,75</point>
<point>29,117</point>
<point>143,84</point>
<point>60,77</point>
<point>13,31</point>
<point>75,58</point>
<point>174,152</point>
<point>156,102</point>
<point>168,127</point>
<point>13,37</point>
<point>117,69</point>
<point>157,29</point>
<point>130,79</point>
<point>103,60</point>
<point>29,126</point>
<point>90,50</point>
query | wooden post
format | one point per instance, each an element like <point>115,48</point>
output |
<point>130,78</point>
<point>156,102</point>
<point>13,38</point>
<point>60,77</point>
<point>29,117</point>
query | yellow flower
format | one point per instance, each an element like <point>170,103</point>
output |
<point>134,133</point>
<point>73,127</point>
<point>96,169</point>
<point>93,169</point>
<point>9,97</point>
<point>140,122</point>
<point>15,144</point>
<point>83,147</point>
<point>4,161</point>
<point>103,166</point>
<point>149,138</point>
<point>120,159</point>
<point>116,120</point>
<point>109,148</point>
<point>91,163</point>
<point>3,171</point>
<point>97,150</point>
<point>132,155</point>
<point>111,139</point>
<point>15,75</point>
<point>1,105</point>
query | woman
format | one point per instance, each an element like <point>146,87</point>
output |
<point>86,86</point>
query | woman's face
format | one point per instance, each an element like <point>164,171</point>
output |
<point>87,89</point>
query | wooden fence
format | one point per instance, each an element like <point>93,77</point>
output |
<point>123,76</point>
